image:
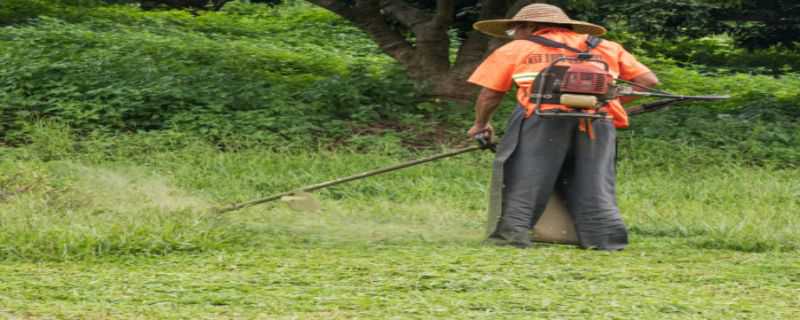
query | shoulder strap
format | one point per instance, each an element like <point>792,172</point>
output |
<point>552,43</point>
<point>591,42</point>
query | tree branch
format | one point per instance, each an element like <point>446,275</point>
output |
<point>366,16</point>
<point>432,43</point>
<point>218,4</point>
<point>445,13</point>
<point>474,47</point>
<point>407,15</point>
<point>337,7</point>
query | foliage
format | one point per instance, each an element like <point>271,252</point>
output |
<point>466,12</point>
<point>719,54</point>
<point>669,19</point>
<point>778,23</point>
<point>259,75</point>
<point>754,24</point>
<point>758,124</point>
<point>218,74</point>
<point>21,11</point>
<point>187,4</point>
<point>182,4</point>
<point>129,125</point>
<point>16,11</point>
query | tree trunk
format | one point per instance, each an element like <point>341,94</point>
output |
<point>427,58</point>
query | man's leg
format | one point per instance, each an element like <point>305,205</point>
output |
<point>530,175</point>
<point>589,186</point>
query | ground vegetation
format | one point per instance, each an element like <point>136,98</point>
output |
<point>120,128</point>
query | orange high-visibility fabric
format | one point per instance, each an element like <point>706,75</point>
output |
<point>519,61</point>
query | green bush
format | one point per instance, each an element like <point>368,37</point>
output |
<point>119,77</point>
<point>720,55</point>
<point>250,71</point>
<point>16,11</point>
<point>298,75</point>
<point>758,124</point>
<point>20,11</point>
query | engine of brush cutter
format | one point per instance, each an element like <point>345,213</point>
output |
<point>586,79</point>
<point>584,84</point>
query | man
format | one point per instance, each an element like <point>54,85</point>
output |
<point>538,155</point>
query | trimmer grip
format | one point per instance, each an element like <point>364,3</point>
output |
<point>485,141</point>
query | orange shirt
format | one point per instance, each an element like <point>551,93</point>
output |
<point>519,61</point>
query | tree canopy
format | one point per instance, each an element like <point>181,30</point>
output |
<point>417,32</point>
<point>434,41</point>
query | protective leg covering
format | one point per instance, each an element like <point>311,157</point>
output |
<point>539,156</point>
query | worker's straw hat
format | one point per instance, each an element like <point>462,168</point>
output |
<point>537,12</point>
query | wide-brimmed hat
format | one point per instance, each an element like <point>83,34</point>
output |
<point>537,12</point>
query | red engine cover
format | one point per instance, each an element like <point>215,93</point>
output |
<point>587,78</point>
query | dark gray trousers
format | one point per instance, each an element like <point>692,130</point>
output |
<point>553,155</point>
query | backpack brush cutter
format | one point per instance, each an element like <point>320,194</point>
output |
<point>581,86</point>
<point>585,85</point>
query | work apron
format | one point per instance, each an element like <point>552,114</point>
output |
<point>537,157</point>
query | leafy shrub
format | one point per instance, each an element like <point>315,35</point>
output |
<point>252,71</point>
<point>16,11</point>
<point>297,75</point>
<point>719,54</point>
<point>116,77</point>
<point>19,11</point>
<point>758,124</point>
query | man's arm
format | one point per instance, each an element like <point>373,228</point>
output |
<point>487,103</point>
<point>648,80</point>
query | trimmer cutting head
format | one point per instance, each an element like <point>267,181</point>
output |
<point>302,201</point>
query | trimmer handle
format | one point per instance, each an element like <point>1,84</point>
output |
<point>485,141</point>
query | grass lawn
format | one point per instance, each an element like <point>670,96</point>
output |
<point>149,119</point>
<point>656,278</point>
<point>113,233</point>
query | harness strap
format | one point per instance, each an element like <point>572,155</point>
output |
<point>591,42</point>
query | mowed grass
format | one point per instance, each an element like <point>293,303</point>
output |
<point>98,230</point>
<point>278,280</point>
